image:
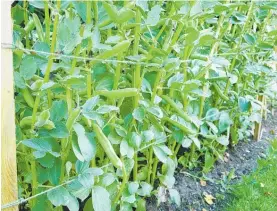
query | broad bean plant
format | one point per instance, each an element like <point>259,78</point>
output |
<point>112,96</point>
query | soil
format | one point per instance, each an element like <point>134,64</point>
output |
<point>241,160</point>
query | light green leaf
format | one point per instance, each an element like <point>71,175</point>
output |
<point>212,114</point>
<point>91,103</point>
<point>250,39</point>
<point>175,196</point>
<point>60,131</point>
<point>106,109</point>
<point>161,155</point>
<point>133,187</point>
<point>100,199</point>
<point>155,110</point>
<point>153,15</point>
<point>108,179</point>
<point>145,189</point>
<point>139,114</point>
<point>86,146</point>
<point>224,122</point>
<point>223,140</point>
<point>125,149</point>
<point>147,135</point>
<point>61,196</point>
<point>244,104</point>
<point>18,80</point>
<point>58,111</point>
<point>28,67</point>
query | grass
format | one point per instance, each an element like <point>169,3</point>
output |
<point>258,191</point>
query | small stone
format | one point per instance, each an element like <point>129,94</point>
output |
<point>262,155</point>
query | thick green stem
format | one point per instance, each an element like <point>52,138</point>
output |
<point>47,22</point>
<point>26,20</point>
<point>150,162</point>
<point>34,179</point>
<point>136,77</point>
<point>117,71</point>
<point>155,165</point>
<point>124,181</point>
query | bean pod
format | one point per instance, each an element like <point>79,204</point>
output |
<point>107,147</point>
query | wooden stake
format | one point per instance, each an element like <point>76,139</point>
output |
<point>258,126</point>
<point>8,145</point>
<point>265,107</point>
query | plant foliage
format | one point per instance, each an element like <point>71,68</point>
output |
<point>116,94</point>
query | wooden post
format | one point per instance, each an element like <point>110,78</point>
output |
<point>8,144</point>
<point>258,126</point>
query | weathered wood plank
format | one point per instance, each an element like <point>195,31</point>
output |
<point>8,144</point>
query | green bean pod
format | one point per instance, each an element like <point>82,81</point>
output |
<point>107,147</point>
<point>119,93</point>
<point>28,97</point>
<point>177,124</point>
<point>29,27</point>
<point>25,122</point>
<point>38,27</point>
<point>176,108</point>
<point>219,92</point>
<point>120,47</point>
<point>72,118</point>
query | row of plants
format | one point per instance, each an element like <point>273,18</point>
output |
<point>112,96</point>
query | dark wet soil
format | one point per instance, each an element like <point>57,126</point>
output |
<point>240,160</point>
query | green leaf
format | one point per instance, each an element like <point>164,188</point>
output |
<point>250,39</point>
<point>125,149</point>
<point>100,199</point>
<point>139,114</point>
<point>212,114</point>
<point>47,161</point>
<point>61,196</point>
<point>68,36</point>
<point>192,35</point>
<point>60,131</point>
<point>90,103</point>
<point>223,140</point>
<point>175,196</point>
<point>133,187</point>
<point>18,80</point>
<point>224,122</point>
<point>37,4</point>
<point>40,144</point>
<point>160,153</point>
<point>135,140</point>
<point>86,145</point>
<point>106,109</point>
<point>145,189</point>
<point>78,190</point>
<point>108,179</point>
<point>54,173</point>
<point>195,141</point>
<point>244,104</point>
<point>143,4</point>
<point>186,142</point>
<point>86,178</point>
<point>153,15</point>
<point>156,111</point>
<point>28,67</point>
<point>81,9</point>
<point>147,135</point>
